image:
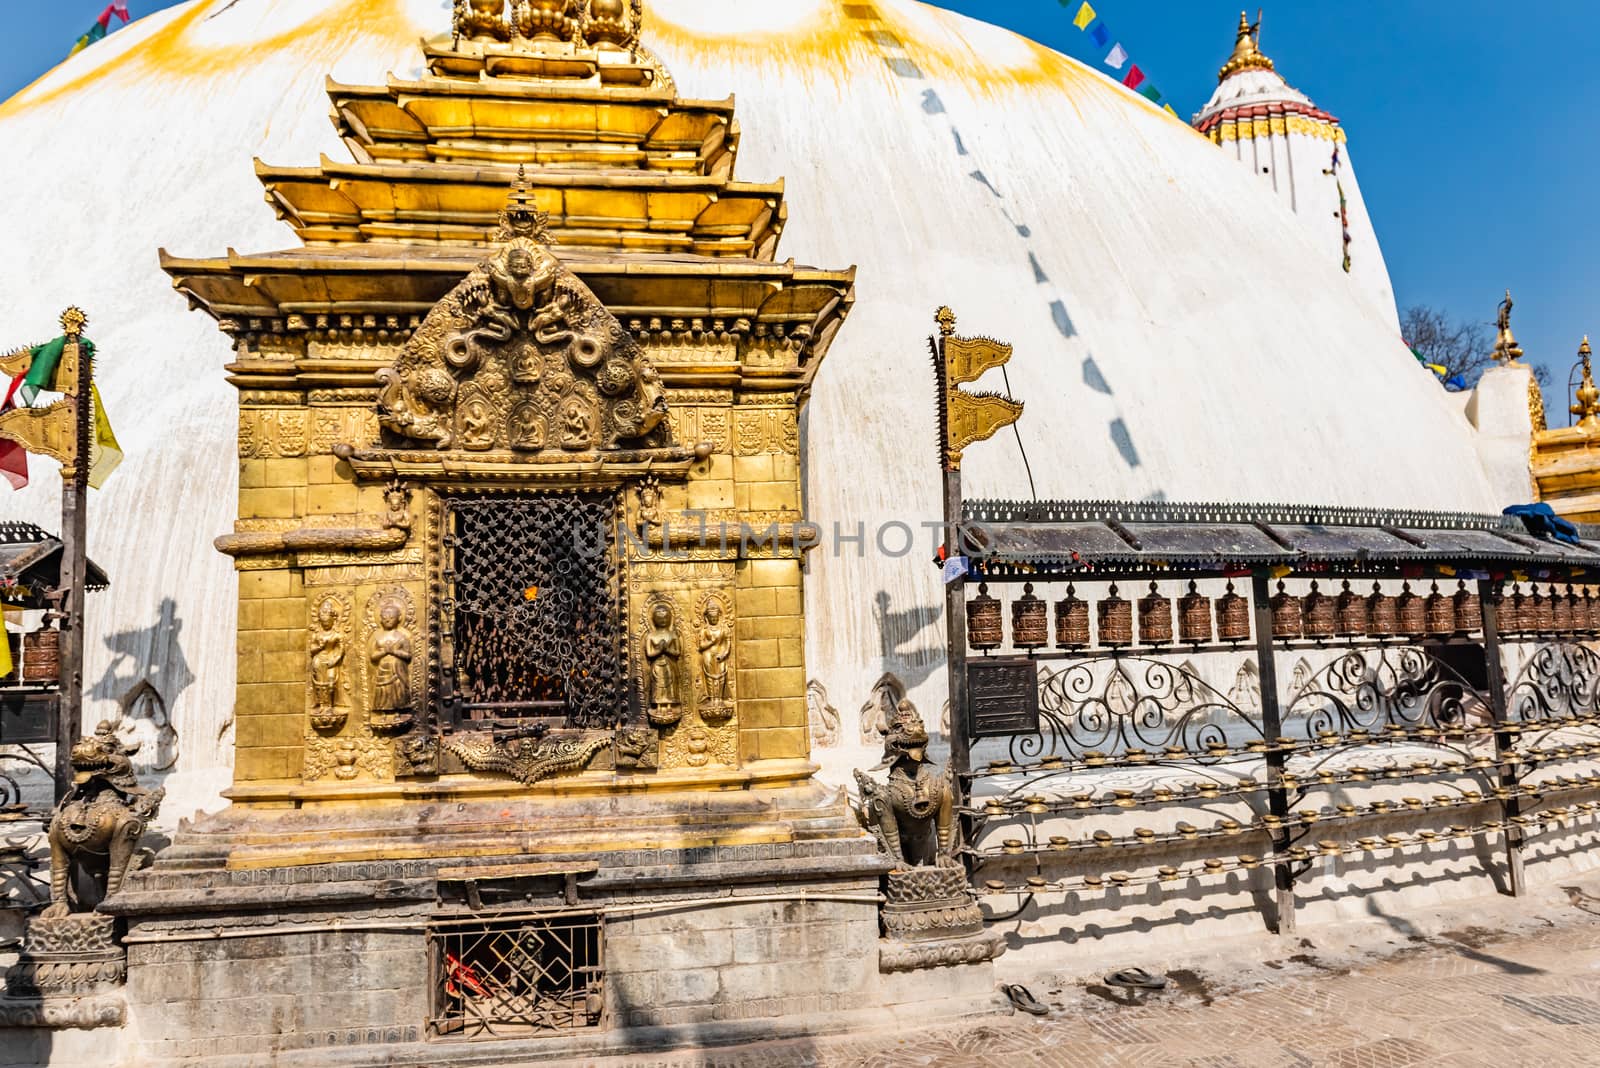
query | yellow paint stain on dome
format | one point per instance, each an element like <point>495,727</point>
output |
<point>171,51</point>
<point>826,41</point>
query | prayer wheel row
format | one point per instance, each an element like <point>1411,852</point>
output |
<point>1114,617</point>
<point>1315,616</point>
<point>1555,612</point>
<point>1375,615</point>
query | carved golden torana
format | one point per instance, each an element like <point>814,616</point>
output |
<point>497,210</point>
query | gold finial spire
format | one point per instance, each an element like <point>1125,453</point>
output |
<point>1588,407</point>
<point>946,320</point>
<point>73,321</point>
<point>521,216</point>
<point>1506,349</point>
<point>1246,49</point>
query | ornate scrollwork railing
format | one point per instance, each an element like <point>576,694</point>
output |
<point>1116,704</point>
<point>1558,680</point>
<point>1375,689</point>
<point>10,786</point>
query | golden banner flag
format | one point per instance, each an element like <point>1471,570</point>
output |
<point>50,431</point>
<point>976,417</point>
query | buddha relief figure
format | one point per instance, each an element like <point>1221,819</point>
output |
<point>391,666</point>
<point>715,645</point>
<point>577,426</point>
<point>327,664</point>
<point>661,652</point>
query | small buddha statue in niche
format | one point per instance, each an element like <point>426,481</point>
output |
<point>391,664</point>
<point>715,646</point>
<point>327,656</point>
<point>662,650</point>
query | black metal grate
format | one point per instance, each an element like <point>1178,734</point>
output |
<point>533,608</point>
<point>510,978</point>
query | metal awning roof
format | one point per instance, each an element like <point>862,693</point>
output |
<point>30,558</point>
<point>1075,536</point>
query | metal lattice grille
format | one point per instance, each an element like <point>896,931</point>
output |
<point>534,610</point>
<point>517,977</point>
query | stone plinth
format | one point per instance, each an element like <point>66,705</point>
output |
<point>302,937</point>
<point>930,920</point>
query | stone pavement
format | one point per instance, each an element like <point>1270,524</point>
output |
<point>1525,993</point>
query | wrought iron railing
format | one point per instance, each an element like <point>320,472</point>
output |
<point>1118,729</point>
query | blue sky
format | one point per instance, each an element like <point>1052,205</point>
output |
<point>1471,126</point>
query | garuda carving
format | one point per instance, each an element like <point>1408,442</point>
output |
<point>97,826</point>
<point>521,358</point>
<point>913,814</point>
<point>528,760</point>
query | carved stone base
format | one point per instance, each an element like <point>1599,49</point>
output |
<point>930,919</point>
<point>64,1011</point>
<point>69,955</point>
<point>929,903</point>
<point>895,956</point>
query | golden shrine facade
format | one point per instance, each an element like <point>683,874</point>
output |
<point>519,449</point>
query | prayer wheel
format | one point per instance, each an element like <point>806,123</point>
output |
<point>984,628</point>
<point>1233,617</point>
<point>1115,616</point>
<point>1286,615</point>
<point>1440,612</point>
<point>1382,620</point>
<point>1577,612</point>
<point>1030,622</point>
<point>1514,611</point>
<point>1155,618</point>
<point>1411,613</point>
<point>41,656</point>
<point>1584,617</point>
<point>1544,618</point>
<point>1194,616</point>
<point>1318,614</point>
<point>1469,613</point>
<point>1561,610</point>
<point>1351,610</point>
<point>1072,621</point>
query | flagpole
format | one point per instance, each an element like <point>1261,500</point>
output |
<point>75,381</point>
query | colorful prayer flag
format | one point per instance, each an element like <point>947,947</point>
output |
<point>1134,78</point>
<point>6,666</point>
<point>1084,16</point>
<point>1168,109</point>
<point>104,453</point>
<point>1099,34</point>
<point>1151,93</point>
<point>1118,56</point>
<point>101,27</point>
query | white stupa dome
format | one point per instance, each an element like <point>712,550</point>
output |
<point>1176,332</point>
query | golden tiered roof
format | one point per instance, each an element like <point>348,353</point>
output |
<point>637,184</point>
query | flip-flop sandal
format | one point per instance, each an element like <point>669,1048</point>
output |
<point>1136,979</point>
<point>1023,1000</point>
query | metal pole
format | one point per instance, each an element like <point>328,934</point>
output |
<point>955,609</point>
<point>1504,743</point>
<point>1272,727</point>
<point>74,557</point>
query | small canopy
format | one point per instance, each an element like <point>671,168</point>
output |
<point>1029,537</point>
<point>30,563</point>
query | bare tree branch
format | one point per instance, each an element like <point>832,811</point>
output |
<point>1460,346</point>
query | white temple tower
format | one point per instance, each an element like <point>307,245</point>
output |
<point>1302,152</point>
